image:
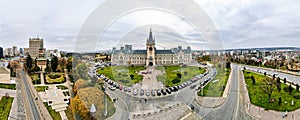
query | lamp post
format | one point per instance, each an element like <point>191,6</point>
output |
<point>285,108</point>
<point>293,111</point>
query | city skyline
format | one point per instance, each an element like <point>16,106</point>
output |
<point>241,24</point>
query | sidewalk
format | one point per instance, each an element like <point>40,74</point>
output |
<point>259,113</point>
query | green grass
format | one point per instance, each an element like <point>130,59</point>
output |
<point>54,115</point>
<point>216,89</point>
<point>62,87</point>
<point>3,71</point>
<point>260,98</point>
<point>111,109</point>
<point>58,80</point>
<point>121,74</point>
<point>35,78</point>
<point>8,86</point>
<point>41,88</point>
<point>171,74</point>
<point>5,106</point>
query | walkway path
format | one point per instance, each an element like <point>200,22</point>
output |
<point>149,79</point>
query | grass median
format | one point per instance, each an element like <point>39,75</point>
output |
<point>259,91</point>
<point>217,85</point>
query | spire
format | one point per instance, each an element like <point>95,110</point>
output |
<point>150,39</point>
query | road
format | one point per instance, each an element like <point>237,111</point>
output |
<point>33,109</point>
<point>289,77</point>
<point>234,106</point>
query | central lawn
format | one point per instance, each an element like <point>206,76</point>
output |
<point>54,115</point>
<point>217,85</point>
<point>8,86</point>
<point>41,88</point>
<point>57,78</point>
<point>5,106</point>
<point>170,73</point>
<point>121,74</point>
<point>260,98</point>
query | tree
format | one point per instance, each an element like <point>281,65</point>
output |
<point>54,63</point>
<point>131,76</point>
<point>284,80</point>
<point>47,69</point>
<point>62,63</point>
<point>274,76</point>
<point>279,87</point>
<point>265,73</point>
<point>185,73</point>
<point>179,75</point>
<point>82,71</point>
<point>297,87</point>
<point>279,101</point>
<point>79,84</point>
<point>228,65</point>
<point>278,80</point>
<point>253,79</point>
<point>28,63</point>
<point>267,86</point>
<point>69,64</point>
<point>290,89</point>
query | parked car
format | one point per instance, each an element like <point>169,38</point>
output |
<point>148,92</point>
<point>125,89</point>
<point>153,92</point>
<point>193,86</point>
<point>168,90</point>
<point>158,93</point>
<point>142,92</point>
<point>163,92</point>
<point>112,88</point>
<point>120,87</point>
<point>135,91</point>
<point>129,89</point>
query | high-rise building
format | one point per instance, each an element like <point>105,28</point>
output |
<point>1,52</point>
<point>34,46</point>
<point>15,51</point>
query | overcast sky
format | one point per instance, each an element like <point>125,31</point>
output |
<point>241,24</point>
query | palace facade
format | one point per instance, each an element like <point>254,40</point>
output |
<point>151,56</point>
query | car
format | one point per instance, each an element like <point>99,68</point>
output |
<point>153,92</point>
<point>129,89</point>
<point>168,90</point>
<point>142,92</point>
<point>125,89</point>
<point>193,86</point>
<point>135,91</point>
<point>172,89</point>
<point>112,88</point>
<point>148,92</point>
<point>120,87</point>
<point>179,86</point>
<point>198,87</point>
<point>158,92</point>
<point>176,88</point>
<point>163,92</point>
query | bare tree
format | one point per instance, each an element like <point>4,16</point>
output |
<point>268,86</point>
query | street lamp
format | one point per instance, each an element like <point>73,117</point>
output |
<point>285,108</point>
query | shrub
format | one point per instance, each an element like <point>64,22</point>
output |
<point>176,80</point>
<point>54,76</point>
<point>286,89</point>
<point>297,96</point>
